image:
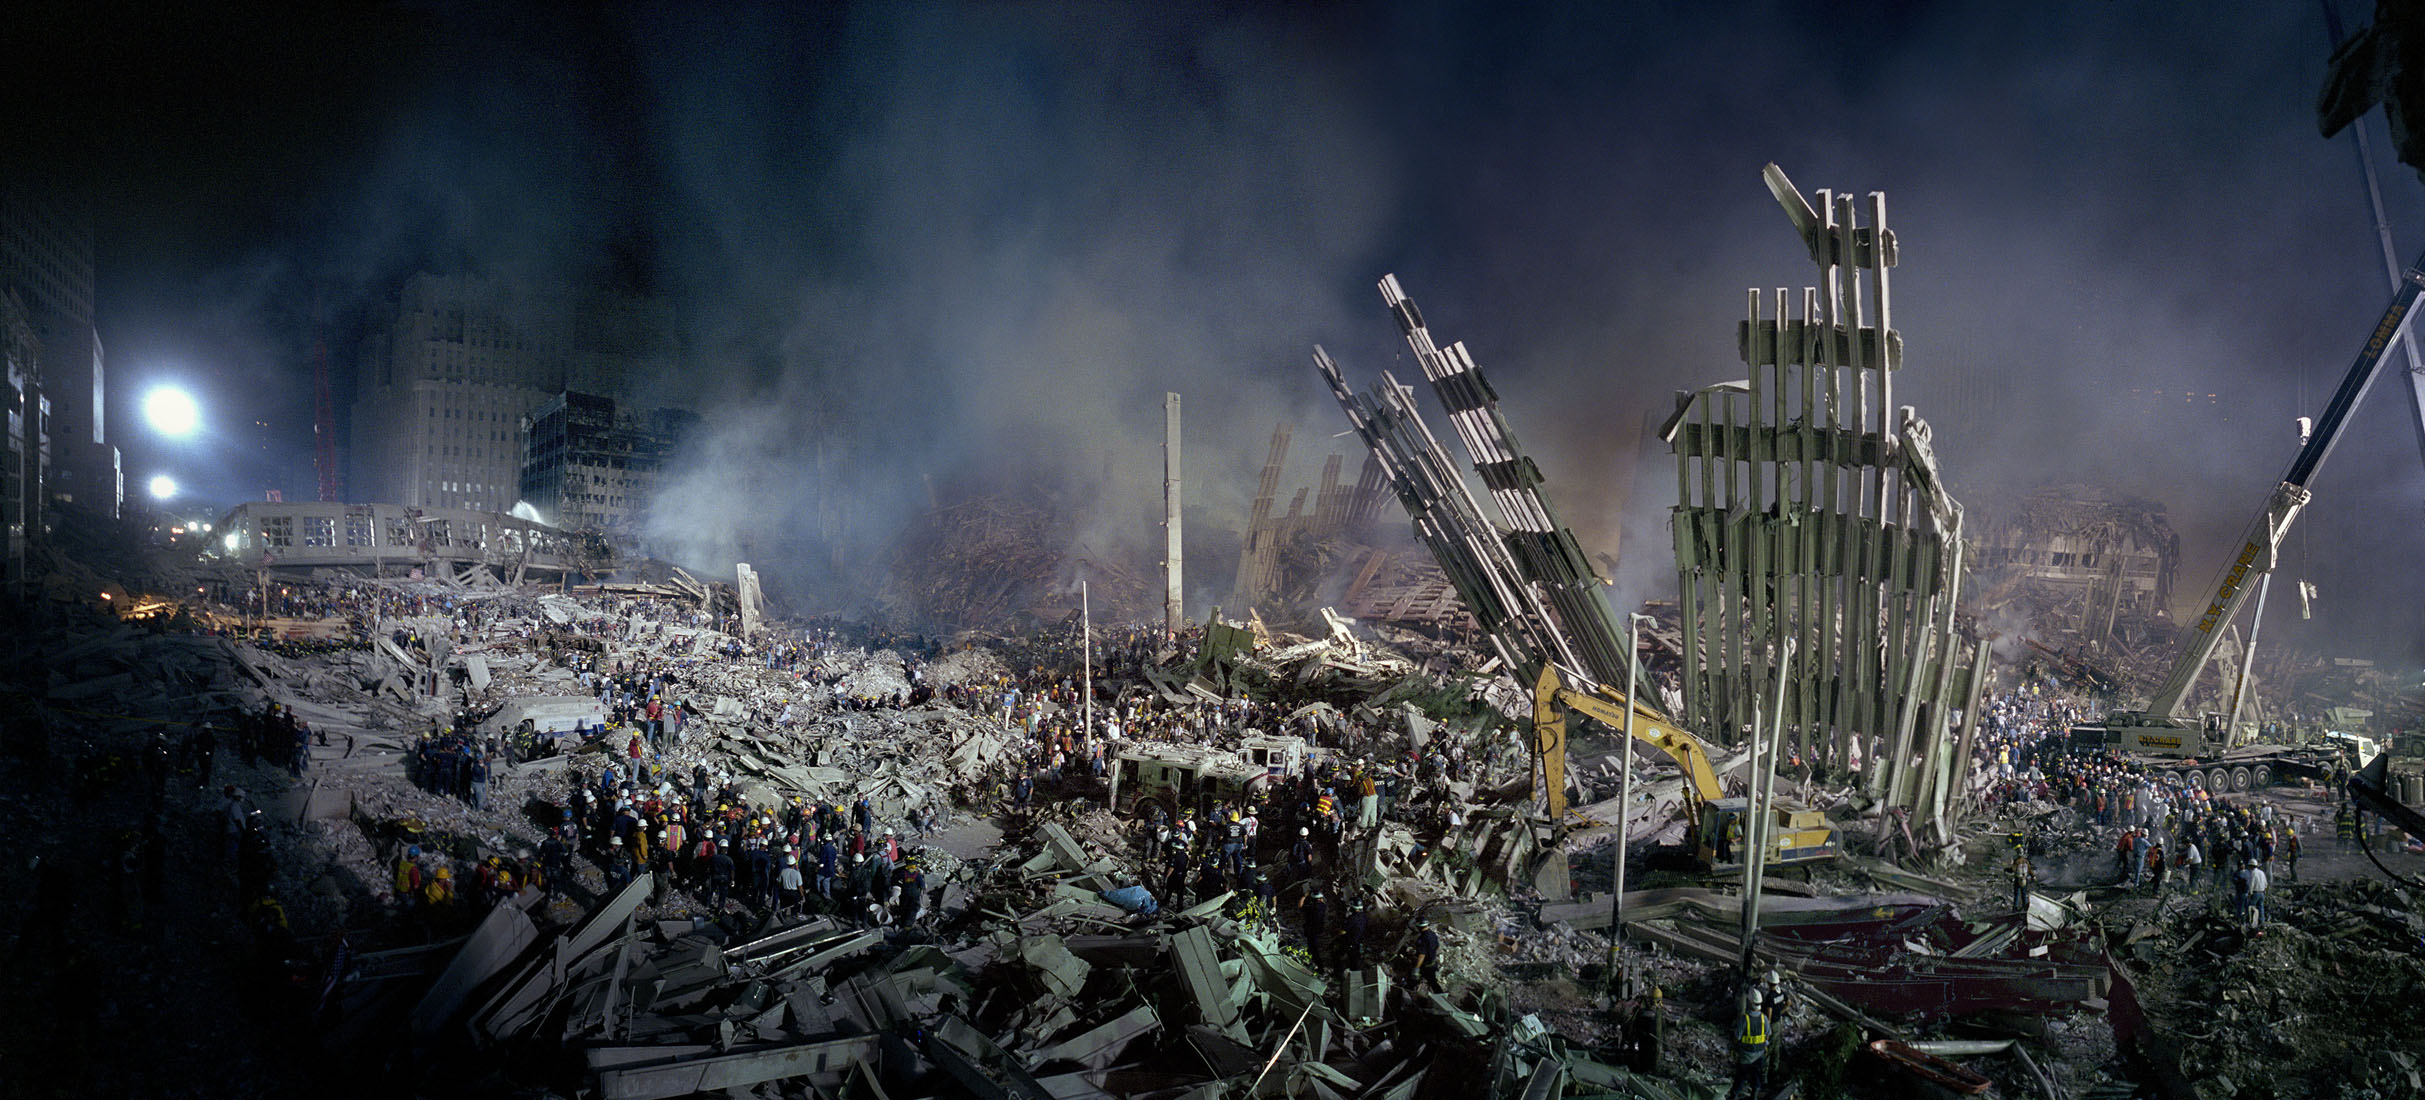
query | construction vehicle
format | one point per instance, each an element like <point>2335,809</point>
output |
<point>2198,746</point>
<point>1802,835</point>
<point>2371,787</point>
<point>1158,779</point>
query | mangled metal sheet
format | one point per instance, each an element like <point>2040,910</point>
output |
<point>1100,1046</point>
<point>546,714</point>
<point>1199,971</point>
<point>543,979</point>
<point>1279,976</point>
<point>1062,973</point>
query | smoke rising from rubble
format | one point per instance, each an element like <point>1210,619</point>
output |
<point>1023,231</point>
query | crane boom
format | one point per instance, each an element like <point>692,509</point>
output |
<point>2255,556</point>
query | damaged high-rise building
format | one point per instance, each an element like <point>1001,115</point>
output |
<point>1810,509</point>
<point>2076,561</point>
<point>445,381</point>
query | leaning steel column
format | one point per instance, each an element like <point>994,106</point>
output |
<point>1174,608</point>
<point>1759,804</point>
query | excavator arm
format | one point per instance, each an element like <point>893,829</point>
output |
<point>1801,835</point>
<point>1551,699</point>
<point>2371,787</point>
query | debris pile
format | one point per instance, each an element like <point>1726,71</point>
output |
<point>2313,1006</point>
<point>987,561</point>
<point>1057,962</point>
<point>1048,977</point>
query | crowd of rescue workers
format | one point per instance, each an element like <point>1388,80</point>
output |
<point>1283,853</point>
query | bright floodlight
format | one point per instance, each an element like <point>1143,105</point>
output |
<point>163,487</point>
<point>171,412</point>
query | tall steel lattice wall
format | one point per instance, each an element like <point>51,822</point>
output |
<point>1809,507</point>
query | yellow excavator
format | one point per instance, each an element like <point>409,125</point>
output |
<point>1800,835</point>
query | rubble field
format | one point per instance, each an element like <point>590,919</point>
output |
<point>1047,953</point>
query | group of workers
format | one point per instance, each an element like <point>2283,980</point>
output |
<point>701,835</point>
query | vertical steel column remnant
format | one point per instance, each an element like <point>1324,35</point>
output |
<point>1174,606</point>
<point>1810,514</point>
<point>1261,554</point>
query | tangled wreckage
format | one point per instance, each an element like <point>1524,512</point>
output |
<point>1383,859</point>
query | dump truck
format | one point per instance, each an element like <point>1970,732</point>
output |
<point>1801,835</point>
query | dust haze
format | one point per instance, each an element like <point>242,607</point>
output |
<point>922,252</point>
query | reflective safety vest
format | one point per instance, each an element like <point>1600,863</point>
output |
<point>1755,1029</point>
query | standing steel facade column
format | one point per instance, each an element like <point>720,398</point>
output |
<point>1174,606</point>
<point>1810,512</point>
<point>1449,522</point>
<point>1546,551</point>
<point>1524,576</point>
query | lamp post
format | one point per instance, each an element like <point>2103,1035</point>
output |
<point>1625,785</point>
<point>1625,776</point>
<point>1086,619</point>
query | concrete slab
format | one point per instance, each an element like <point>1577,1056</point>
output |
<point>1199,970</point>
<point>503,934</point>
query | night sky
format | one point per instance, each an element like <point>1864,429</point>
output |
<point>976,243</point>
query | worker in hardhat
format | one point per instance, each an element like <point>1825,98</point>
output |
<point>1751,1047</point>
